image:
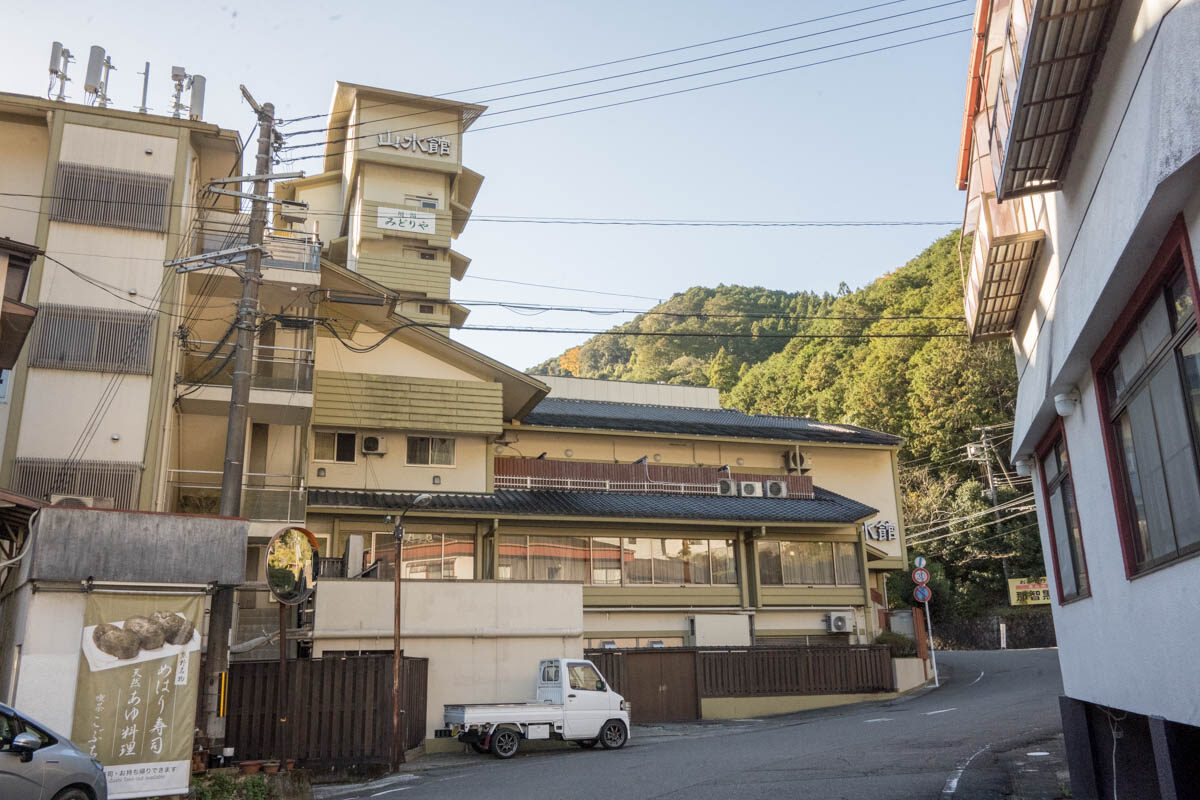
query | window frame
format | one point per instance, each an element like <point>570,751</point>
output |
<point>335,459</point>
<point>1053,436</point>
<point>453,451</point>
<point>622,545</point>
<point>831,543</point>
<point>1174,255</point>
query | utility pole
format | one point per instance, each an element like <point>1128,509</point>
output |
<point>987,463</point>
<point>221,617</point>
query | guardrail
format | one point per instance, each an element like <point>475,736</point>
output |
<point>265,496</point>
<point>288,369</point>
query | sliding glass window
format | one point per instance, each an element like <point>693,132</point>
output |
<point>615,561</point>
<point>789,563</point>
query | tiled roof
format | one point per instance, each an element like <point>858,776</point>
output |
<point>564,413</point>
<point>825,507</point>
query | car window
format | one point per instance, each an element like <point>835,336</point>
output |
<point>550,673</point>
<point>9,728</point>
<point>583,676</point>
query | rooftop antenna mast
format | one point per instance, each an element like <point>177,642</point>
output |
<point>143,108</point>
<point>96,81</point>
<point>60,58</point>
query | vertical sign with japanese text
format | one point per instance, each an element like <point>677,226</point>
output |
<point>135,704</point>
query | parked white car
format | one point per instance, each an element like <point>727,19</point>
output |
<point>574,703</point>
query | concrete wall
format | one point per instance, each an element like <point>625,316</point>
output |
<point>483,640</point>
<point>49,665</point>
<point>653,394</point>
<point>25,145</point>
<point>1134,170</point>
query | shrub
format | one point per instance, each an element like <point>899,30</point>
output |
<point>898,644</point>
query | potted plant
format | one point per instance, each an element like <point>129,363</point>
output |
<point>250,767</point>
<point>270,767</point>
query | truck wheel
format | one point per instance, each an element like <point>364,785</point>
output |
<point>613,735</point>
<point>505,743</point>
<point>586,744</point>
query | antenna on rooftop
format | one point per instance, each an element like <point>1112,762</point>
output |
<point>95,84</point>
<point>142,109</point>
<point>180,76</point>
<point>60,58</point>
<point>196,109</point>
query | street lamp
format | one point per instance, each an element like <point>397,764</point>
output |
<point>398,739</point>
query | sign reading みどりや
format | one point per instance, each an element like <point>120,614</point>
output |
<point>1026,592</point>
<point>135,701</point>
<point>403,219</point>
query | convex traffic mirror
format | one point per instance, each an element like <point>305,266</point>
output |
<point>292,565</point>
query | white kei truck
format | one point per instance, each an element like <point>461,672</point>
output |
<point>574,703</point>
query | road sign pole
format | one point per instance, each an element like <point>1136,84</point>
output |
<point>932,652</point>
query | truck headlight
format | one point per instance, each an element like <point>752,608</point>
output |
<point>626,706</point>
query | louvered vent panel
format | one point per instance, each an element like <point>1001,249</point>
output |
<point>91,339</point>
<point>42,477</point>
<point>111,198</point>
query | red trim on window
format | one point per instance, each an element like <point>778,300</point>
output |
<point>1057,432</point>
<point>1176,242</point>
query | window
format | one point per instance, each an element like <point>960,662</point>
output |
<point>420,201</point>
<point>91,339</point>
<point>1149,385</point>
<point>5,382</point>
<point>789,563</point>
<point>430,450</point>
<point>1066,541</point>
<point>420,254</point>
<point>584,677</point>
<point>15,277</point>
<point>612,561</point>
<point>331,446</point>
<point>428,556</point>
<point>426,308</point>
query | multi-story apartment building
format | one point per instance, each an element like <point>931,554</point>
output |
<point>565,514</point>
<point>1080,156</point>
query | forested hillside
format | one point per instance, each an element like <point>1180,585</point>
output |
<point>878,357</point>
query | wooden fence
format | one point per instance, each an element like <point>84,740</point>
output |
<point>668,684</point>
<point>339,710</point>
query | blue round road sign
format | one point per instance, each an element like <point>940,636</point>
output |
<point>919,562</point>
<point>922,594</point>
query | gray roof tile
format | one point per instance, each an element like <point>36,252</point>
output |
<point>606,415</point>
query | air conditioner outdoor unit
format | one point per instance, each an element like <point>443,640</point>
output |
<point>750,489</point>
<point>727,487</point>
<point>797,461</point>
<point>777,489</point>
<point>841,621</point>
<point>81,501</point>
<point>374,445</point>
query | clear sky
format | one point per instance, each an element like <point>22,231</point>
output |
<point>866,138</point>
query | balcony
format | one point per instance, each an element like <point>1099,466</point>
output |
<point>281,382</point>
<point>266,497</point>
<point>288,250</point>
<point>1051,54</point>
<point>533,474</point>
<point>1002,257</point>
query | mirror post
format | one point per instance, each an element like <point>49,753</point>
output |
<point>398,730</point>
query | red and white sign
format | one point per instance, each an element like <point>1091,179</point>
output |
<point>920,575</point>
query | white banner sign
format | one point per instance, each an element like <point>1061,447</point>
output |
<point>403,219</point>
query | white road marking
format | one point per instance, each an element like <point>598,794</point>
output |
<point>881,719</point>
<point>952,782</point>
<point>943,711</point>
<point>389,791</point>
<point>1038,753</point>
<point>977,680</point>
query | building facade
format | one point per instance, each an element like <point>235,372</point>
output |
<point>1079,157</point>
<point>563,516</point>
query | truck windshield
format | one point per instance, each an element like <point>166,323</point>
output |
<point>584,676</point>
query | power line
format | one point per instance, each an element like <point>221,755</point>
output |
<point>699,335</point>
<point>695,314</point>
<point>937,526</point>
<point>627,59</point>
<point>327,142</point>
<point>990,523</point>
<point>560,87</point>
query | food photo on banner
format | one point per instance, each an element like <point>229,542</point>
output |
<point>139,675</point>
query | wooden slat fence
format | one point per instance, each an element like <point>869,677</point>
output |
<point>339,709</point>
<point>766,671</point>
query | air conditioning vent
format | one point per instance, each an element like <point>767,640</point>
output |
<point>727,487</point>
<point>797,461</point>
<point>777,489</point>
<point>81,501</point>
<point>374,445</point>
<point>841,622</point>
<point>750,489</point>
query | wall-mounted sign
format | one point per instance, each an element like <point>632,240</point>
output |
<point>882,531</point>
<point>403,219</point>
<point>429,145</point>
<point>135,705</point>
<point>1026,592</point>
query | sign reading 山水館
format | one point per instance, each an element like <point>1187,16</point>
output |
<point>135,704</point>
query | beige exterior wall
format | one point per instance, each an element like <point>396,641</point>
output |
<point>117,149</point>
<point>373,116</point>
<point>392,358</point>
<point>59,403</point>
<point>22,169</point>
<point>484,640</point>
<point>130,260</point>
<point>389,472</point>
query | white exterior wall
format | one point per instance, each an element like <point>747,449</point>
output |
<point>49,667</point>
<point>1134,170</point>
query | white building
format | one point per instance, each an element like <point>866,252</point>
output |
<point>1081,157</point>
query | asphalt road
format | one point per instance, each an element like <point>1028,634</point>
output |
<point>934,744</point>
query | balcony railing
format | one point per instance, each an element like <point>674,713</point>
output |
<point>582,485</point>
<point>1002,257</point>
<point>288,250</point>
<point>265,496</point>
<point>288,369</point>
